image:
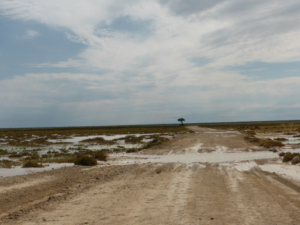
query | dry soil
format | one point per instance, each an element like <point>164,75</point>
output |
<point>166,193</point>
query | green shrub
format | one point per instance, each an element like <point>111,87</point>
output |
<point>288,156</point>
<point>86,161</point>
<point>32,164</point>
<point>3,152</point>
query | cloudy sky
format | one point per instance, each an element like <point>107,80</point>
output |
<point>109,62</point>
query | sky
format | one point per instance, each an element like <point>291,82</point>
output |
<point>109,62</point>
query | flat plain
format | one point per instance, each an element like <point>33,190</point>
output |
<point>187,179</point>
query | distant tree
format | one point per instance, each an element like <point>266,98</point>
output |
<point>181,120</point>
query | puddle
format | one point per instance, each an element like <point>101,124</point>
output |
<point>99,147</point>
<point>241,166</point>
<point>284,170</point>
<point>76,140</point>
<point>193,150</point>
<point>221,132</point>
<point>297,150</point>
<point>290,140</point>
<point>203,157</point>
<point>18,170</point>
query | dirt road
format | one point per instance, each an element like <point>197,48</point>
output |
<point>165,193</point>
<point>208,139</point>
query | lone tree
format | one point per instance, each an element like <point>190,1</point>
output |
<point>181,120</point>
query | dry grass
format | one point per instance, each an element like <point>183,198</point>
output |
<point>35,137</point>
<point>251,129</point>
<point>99,140</point>
<point>5,163</point>
<point>267,143</point>
<point>3,152</point>
<point>100,155</point>
<point>292,127</point>
<point>31,164</point>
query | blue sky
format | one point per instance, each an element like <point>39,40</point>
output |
<point>108,62</point>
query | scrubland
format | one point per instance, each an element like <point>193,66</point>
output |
<point>207,174</point>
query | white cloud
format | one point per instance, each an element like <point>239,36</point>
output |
<point>154,69</point>
<point>31,34</point>
<point>221,32</point>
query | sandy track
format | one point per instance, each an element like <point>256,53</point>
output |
<point>176,194</point>
<point>207,140</point>
<point>165,193</point>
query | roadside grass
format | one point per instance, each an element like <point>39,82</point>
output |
<point>19,154</point>
<point>250,129</point>
<point>99,140</point>
<point>100,155</point>
<point>54,158</point>
<point>288,156</point>
<point>39,136</point>
<point>156,141</point>
<point>292,127</point>
<point>5,163</point>
<point>66,157</point>
<point>33,143</point>
<point>267,143</point>
<point>3,152</point>
<point>29,164</point>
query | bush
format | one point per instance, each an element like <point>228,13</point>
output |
<point>281,139</point>
<point>5,163</point>
<point>86,161</point>
<point>132,150</point>
<point>34,156</point>
<point>3,152</point>
<point>32,164</point>
<point>289,156</point>
<point>100,155</point>
<point>268,143</point>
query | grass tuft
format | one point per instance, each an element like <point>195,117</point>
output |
<point>32,164</point>
<point>5,163</point>
<point>100,155</point>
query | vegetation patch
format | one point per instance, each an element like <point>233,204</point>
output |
<point>3,152</point>
<point>86,161</point>
<point>19,155</point>
<point>29,164</point>
<point>281,139</point>
<point>288,127</point>
<point>268,143</point>
<point>100,155</point>
<point>288,156</point>
<point>131,139</point>
<point>5,163</point>
<point>132,150</point>
<point>156,141</point>
<point>99,140</point>
<point>31,136</point>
